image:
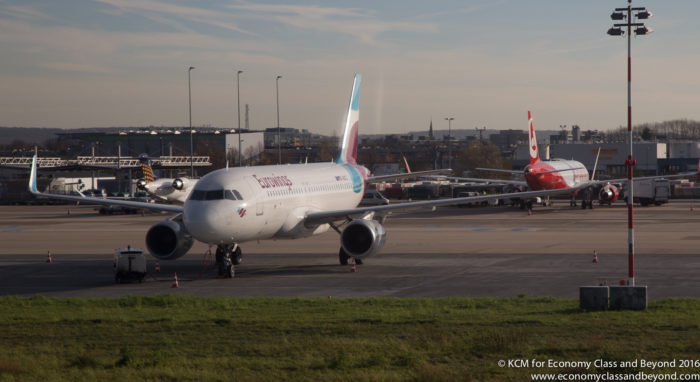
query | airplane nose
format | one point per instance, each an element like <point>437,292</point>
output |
<point>201,220</point>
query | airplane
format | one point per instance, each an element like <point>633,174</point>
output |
<point>563,174</point>
<point>163,189</point>
<point>231,206</point>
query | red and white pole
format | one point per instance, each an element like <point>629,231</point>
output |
<point>630,159</point>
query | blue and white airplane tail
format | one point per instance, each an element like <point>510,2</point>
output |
<point>348,147</point>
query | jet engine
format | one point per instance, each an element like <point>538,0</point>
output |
<point>168,240</point>
<point>362,238</point>
<point>608,194</point>
<point>141,184</point>
<point>178,184</point>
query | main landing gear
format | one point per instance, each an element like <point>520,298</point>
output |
<point>344,257</point>
<point>227,257</point>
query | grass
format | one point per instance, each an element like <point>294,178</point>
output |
<point>174,338</point>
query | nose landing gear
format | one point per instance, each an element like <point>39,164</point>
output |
<point>227,257</point>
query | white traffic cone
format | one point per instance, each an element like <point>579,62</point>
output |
<point>595,256</point>
<point>176,284</point>
<point>48,257</point>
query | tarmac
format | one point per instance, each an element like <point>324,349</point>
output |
<point>485,251</point>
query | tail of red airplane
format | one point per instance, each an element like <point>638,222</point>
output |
<point>348,148</point>
<point>534,153</point>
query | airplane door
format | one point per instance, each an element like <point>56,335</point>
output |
<point>260,201</point>
<point>259,207</point>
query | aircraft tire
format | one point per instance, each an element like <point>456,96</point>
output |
<point>237,256</point>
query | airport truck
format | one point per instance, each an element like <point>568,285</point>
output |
<point>652,191</point>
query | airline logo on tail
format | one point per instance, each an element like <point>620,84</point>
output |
<point>348,148</point>
<point>146,170</point>
<point>534,154</point>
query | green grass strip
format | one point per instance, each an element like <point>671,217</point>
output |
<point>176,338</point>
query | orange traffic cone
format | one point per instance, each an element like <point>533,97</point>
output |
<point>353,268</point>
<point>157,266</point>
<point>176,284</point>
<point>48,257</point>
<point>595,256</point>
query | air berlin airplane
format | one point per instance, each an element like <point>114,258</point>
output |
<point>231,206</point>
<point>559,174</point>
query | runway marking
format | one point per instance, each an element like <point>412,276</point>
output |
<point>467,226</point>
<point>483,229</point>
<point>7,228</point>
<point>520,229</point>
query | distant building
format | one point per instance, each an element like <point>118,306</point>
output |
<point>509,138</point>
<point>289,136</point>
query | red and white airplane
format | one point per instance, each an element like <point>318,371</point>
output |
<point>560,174</point>
<point>234,205</point>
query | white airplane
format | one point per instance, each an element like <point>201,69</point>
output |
<point>235,205</point>
<point>164,189</point>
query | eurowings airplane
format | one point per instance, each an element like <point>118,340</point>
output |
<point>563,174</point>
<point>231,206</point>
<point>164,189</point>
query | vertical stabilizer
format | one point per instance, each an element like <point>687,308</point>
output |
<point>146,170</point>
<point>32,177</point>
<point>534,153</point>
<point>348,146</point>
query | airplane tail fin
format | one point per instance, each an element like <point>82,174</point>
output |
<point>146,170</point>
<point>348,148</point>
<point>32,177</point>
<point>534,153</point>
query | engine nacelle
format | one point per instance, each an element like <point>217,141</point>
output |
<point>608,194</point>
<point>178,184</point>
<point>168,240</point>
<point>362,238</point>
<point>141,184</point>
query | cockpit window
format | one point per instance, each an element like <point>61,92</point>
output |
<point>214,195</point>
<point>197,195</point>
<point>232,195</point>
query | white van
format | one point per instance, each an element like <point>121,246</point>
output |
<point>373,198</point>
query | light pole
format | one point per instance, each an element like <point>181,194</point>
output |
<point>449,141</point>
<point>189,97</point>
<point>640,29</point>
<point>238,95</point>
<point>279,136</point>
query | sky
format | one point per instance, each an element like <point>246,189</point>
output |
<point>102,63</point>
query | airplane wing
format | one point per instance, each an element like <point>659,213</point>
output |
<point>381,178</point>
<point>519,183</point>
<point>515,172</point>
<point>624,180</point>
<point>103,201</point>
<point>316,218</point>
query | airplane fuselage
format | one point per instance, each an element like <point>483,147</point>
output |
<point>241,204</point>
<point>555,174</point>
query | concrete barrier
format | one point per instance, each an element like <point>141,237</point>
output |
<point>628,297</point>
<point>594,297</point>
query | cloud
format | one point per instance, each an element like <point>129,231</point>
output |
<point>357,23</point>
